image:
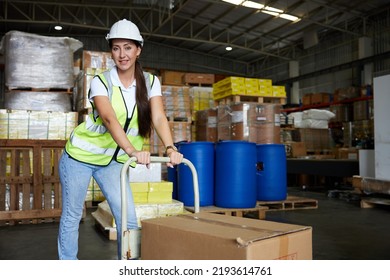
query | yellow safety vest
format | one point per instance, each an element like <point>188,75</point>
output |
<point>91,142</point>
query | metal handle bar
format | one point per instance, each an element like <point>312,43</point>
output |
<point>125,185</point>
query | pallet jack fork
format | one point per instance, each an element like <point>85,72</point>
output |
<point>131,239</point>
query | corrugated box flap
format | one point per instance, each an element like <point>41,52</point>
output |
<point>243,230</point>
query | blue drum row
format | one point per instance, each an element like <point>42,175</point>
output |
<point>231,174</point>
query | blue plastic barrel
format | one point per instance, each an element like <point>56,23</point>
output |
<point>271,172</point>
<point>235,174</point>
<point>202,156</point>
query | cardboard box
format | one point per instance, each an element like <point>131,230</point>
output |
<point>321,97</point>
<point>209,236</point>
<point>198,78</point>
<point>142,173</point>
<point>206,125</point>
<point>172,78</point>
<point>279,91</point>
<point>97,60</point>
<point>306,99</point>
<point>296,149</point>
<point>348,153</point>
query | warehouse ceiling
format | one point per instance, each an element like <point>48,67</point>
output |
<point>255,32</point>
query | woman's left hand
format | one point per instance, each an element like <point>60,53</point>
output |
<point>176,158</point>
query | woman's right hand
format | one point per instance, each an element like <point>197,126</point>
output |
<point>143,157</point>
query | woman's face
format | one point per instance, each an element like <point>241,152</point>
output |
<point>124,53</point>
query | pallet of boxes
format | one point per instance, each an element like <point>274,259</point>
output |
<point>248,109</point>
<point>35,121</point>
<point>311,135</point>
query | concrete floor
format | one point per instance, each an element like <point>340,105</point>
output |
<point>342,230</point>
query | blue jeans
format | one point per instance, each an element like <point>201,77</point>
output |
<point>75,177</point>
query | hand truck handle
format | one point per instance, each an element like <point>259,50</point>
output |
<point>125,185</point>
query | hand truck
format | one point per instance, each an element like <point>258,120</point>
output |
<point>131,239</point>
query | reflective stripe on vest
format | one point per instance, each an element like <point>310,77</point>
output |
<point>91,142</point>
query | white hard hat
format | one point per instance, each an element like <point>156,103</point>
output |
<point>125,29</point>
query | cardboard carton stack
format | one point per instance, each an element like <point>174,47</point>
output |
<point>177,103</point>
<point>246,87</point>
<point>93,63</point>
<point>249,121</point>
<point>206,125</point>
<point>208,236</point>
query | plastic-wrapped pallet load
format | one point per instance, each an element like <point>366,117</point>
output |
<point>55,101</point>
<point>312,118</point>
<point>34,61</point>
<point>315,118</point>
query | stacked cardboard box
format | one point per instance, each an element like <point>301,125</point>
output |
<point>224,121</point>
<point>181,131</point>
<point>229,86</point>
<point>316,139</point>
<point>346,93</point>
<point>173,78</point>
<point>242,86</point>
<point>93,63</point>
<point>320,97</point>
<point>139,174</point>
<point>249,121</point>
<point>177,103</point>
<point>363,110</point>
<point>198,79</point>
<point>279,91</point>
<point>201,99</point>
<point>265,87</point>
<point>152,192</point>
<point>252,87</point>
<point>206,125</point>
<point>22,124</point>
<point>207,236</point>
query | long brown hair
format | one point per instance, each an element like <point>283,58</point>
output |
<point>143,104</point>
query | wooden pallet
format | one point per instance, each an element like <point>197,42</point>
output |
<point>371,202</point>
<point>371,185</point>
<point>103,226</point>
<point>247,98</point>
<point>187,119</point>
<point>237,212</point>
<point>29,170</point>
<point>291,203</point>
<point>67,90</point>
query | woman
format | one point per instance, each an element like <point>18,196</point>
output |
<point>126,104</point>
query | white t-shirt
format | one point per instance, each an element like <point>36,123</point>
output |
<point>98,89</point>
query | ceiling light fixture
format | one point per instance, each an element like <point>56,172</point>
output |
<point>58,27</point>
<point>228,48</point>
<point>254,5</point>
<point>264,9</point>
